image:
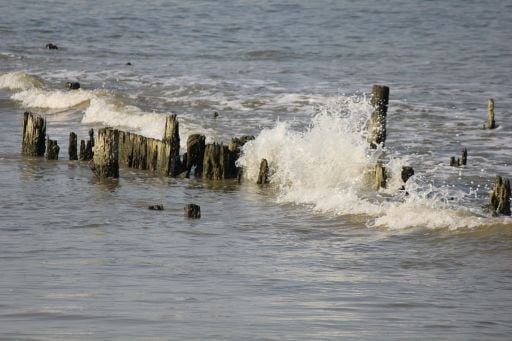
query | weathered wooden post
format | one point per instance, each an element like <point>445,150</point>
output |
<point>172,137</point>
<point>407,172</point>
<point>380,176</point>
<point>34,135</point>
<point>105,162</point>
<point>52,149</point>
<point>490,124</point>
<point>86,150</point>
<point>263,174</point>
<point>195,154</point>
<point>377,122</point>
<point>72,149</point>
<point>464,157</point>
<point>215,161</point>
<point>192,211</point>
<point>499,198</point>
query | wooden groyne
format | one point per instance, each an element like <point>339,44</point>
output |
<point>34,135</point>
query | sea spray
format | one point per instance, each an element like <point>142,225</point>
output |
<point>324,168</point>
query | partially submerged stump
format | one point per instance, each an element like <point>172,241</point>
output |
<point>377,122</point>
<point>34,135</point>
<point>72,149</point>
<point>455,162</point>
<point>407,172</point>
<point>490,124</point>
<point>380,177</point>
<point>105,163</point>
<point>172,137</point>
<point>192,211</point>
<point>157,207</point>
<point>263,174</point>
<point>499,199</point>
<point>51,46</point>
<point>52,149</point>
<point>195,154</point>
<point>73,85</point>
<point>86,150</point>
<point>215,161</point>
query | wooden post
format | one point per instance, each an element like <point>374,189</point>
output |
<point>490,124</point>
<point>263,174</point>
<point>407,172</point>
<point>192,211</point>
<point>215,161</point>
<point>380,176</point>
<point>499,198</point>
<point>195,154</point>
<point>34,135</point>
<point>377,122</point>
<point>72,149</point>
<point>464,157</point>
<point>86,149</point>
<point>172,137</point>
<point>52,150</point>
<point>105,162</point>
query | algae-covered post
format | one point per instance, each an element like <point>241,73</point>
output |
<point>377,122</point>
<point>72,149</point>
<point>490,124</point>
<point>34,135</point>
<point>215,161</point>
<point>52,150</point>
<point>499,198</point>
<point>105,162</point>
<point>172,137</point>
<point>263,174</point>
<point>192,211</point>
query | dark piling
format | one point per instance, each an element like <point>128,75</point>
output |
<point>192,211</point>
<point>51,46</point>
<point>380,177</point>
<point>73,85</point>
<point>263,174</point>
<point>377,122</point>
<point>52,150</point>
<point>34,135</point>
<point>105,162</point>
<point>172,137</point>
<point>195,154</point>
<point>72,149</point>
<point>86,149</point>
<point>499,198</point>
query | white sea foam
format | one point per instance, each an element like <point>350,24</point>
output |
<point>324,167</point>
<point>52,99</point>
<point>19,81</point>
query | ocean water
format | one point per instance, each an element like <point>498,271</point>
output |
<point>314,255</point>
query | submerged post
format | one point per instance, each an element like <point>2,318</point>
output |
<point>192,211</point>
<point>72,149</point>
<point>34,135</point>
<point>195,154</point>
<point>105,162</point>
<point>172,137</point>
<point>263,174</point>
<point>499,198</point>
<point>52,150</point>
<point>377,122</point>
<point>490,124</point>
<point>464,157</point>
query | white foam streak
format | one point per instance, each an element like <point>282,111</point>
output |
<point>106,112</point>
<point>56,99</point>
<point>19,81</point>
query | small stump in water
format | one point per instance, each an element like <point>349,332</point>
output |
<point>454,162</point>
<point>157,207</point>
<point>490,124</point>
<point>73,85</point>
<point>195,154</point>
<point>72,149</point>
<point>192,211</point>
<point>263,174</point>
<point>499,199</point>
<point>51,46</point>
<point>377,122</point>
<point>34,135</point>
<point>52,150</point>
<point>86,152</point>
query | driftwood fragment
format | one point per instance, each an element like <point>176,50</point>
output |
<point>263,174</point>
<point>499,198</point>
<point>72,149</point>
<point>192,211</point>
<point>491,123</point>
<point>377,122</point>
<point>194,156</point>
<point>105,162</point>
<point>34,135</point>
<point>52,149</point>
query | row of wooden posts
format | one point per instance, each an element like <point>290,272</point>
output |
<point>113,148</point>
